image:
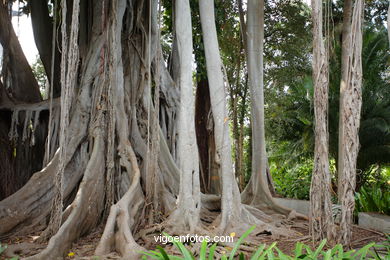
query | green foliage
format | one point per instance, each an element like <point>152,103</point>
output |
<point>40,74</point>
<point>290,114</point>
<point>373,199</point>
<point>301,251</point>
<point>293,181</point>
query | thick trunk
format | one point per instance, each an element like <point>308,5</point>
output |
<point>109,140</point>
<point>18,78</point>
<point>20,158</point>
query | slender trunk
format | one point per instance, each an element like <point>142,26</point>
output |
<point>257,192</point>
<point>230,193</point>
<point>351,106</point>
<point>321,221</point>
<point>345,49</point>
<point>255,48</point>
<point>187,149</point>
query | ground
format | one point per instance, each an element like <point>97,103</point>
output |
<point>84,248</point>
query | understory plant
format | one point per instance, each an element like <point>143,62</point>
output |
<point>373,199</point>
<point>301,251</point>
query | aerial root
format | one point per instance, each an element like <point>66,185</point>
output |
<point>117,232</point>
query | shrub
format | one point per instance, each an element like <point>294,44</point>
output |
<point>373,199</point>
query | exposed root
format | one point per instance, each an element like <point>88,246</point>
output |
<point>117,232</point>
<point>81,219</point>
<point>29,207</point>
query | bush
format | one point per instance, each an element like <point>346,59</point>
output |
<point>293,182</point>
<point>373,199</point>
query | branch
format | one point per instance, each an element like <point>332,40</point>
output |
<point>43,105</point>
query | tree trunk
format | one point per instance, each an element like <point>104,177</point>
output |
<point>388,23</point>
<point>352,102</point>
<point>17,74</point>
<point>345,49</point>
<point>186,217</point>
<point>112,131</point>
<point>230,194</point>
<point>257,192</point>
<point>321,221</point>
<point>24,155</point>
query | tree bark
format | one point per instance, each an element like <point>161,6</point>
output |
<point>257,192</point>
<point>186,217</point>
<point>18,78</point>
<point>230,202</point>
<point>388,23</point>
<point>345,49</point>
<point>209,176</point>
<point>352,102</point>
<point>321,221</point>
<point>20,158</point>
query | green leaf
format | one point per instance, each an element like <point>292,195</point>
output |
<point>258,252</point>
<point>319,248</point>
<point>362,252</point>
<point>163,253</point>
<point>298,250</point>
<point>237,245</point>
<point>153,255</point>
<point>328,255</point>
<point>202,254</point>
<point>187,255</point>
<point>211,252</point>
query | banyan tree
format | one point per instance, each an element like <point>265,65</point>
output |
<point>115,144</point>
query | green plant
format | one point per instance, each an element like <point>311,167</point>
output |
<point>373,199</point>
<point>301,251</point>
<point>293,181</point>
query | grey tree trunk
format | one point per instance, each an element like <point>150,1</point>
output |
<point>257,191</point>
<point>255,49</point>
<point>352,102</point>
<point>230,201</point>
<point>345,49</point>
<point>188,208</point>
<point>321,221</point>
